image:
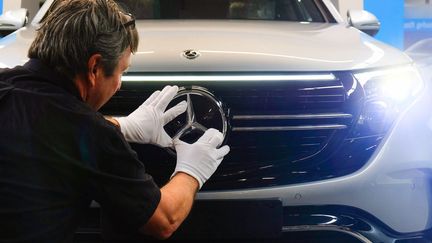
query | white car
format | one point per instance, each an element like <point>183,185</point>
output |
<point>329,129</point>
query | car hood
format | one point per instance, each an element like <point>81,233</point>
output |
<point>234,45</point>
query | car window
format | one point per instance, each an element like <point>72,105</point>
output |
<point>286,10</point>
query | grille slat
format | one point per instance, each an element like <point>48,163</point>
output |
<point>289,117</point>
<point>288,128</point>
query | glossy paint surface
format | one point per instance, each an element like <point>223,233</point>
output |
<point>240,46</point>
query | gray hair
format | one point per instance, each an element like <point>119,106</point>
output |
<point>74,30</point>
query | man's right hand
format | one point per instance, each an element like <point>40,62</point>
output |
<point>200,159</point>
<point>146,124</point>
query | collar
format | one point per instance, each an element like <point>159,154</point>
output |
<point>51,76</point>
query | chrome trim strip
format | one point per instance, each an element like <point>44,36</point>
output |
<point>288,128</point>
<point>302,228</point>
<point>325,87</point>
<point>292,117</point>
<point>258,77</point>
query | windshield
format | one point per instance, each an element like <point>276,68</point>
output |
<point>286,10</point>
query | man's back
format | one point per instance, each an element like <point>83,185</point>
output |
<point>40,196</point>
<point>56,155</point>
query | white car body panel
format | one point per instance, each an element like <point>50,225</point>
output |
<point>281,47</point>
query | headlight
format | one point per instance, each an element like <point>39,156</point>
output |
<point>387,93</point>
<point>396,85</point>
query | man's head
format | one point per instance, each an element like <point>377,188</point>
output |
<point>80,37</point>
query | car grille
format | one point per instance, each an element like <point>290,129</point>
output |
<point>280,132</point>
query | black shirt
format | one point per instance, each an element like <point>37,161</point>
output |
<point>57,155</point>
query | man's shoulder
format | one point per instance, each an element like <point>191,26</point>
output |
<point>6,74</point>
<point>43,102</point>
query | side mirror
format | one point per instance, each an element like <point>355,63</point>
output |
<point>364,21</point>
<point>13,20</point>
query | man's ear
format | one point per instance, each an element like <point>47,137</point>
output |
<point>95,69</point>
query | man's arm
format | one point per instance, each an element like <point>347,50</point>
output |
<point>176,202</point>
<point>195,164</point>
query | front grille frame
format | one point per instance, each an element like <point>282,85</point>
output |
<point>317,165</point>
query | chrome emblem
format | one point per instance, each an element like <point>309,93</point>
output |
<point>203,111</point>
<point>191,54</point>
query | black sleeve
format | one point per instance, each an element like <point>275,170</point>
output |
<point>122,187</point>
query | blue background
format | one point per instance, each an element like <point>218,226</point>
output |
<point>1,6</point>
<point>391,15</point>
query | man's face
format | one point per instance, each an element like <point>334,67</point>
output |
<point>106,86</point>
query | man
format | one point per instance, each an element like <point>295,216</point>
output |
<point>57,153</point>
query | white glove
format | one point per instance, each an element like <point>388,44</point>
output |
<point>201,159</point>
<point>146,124</point>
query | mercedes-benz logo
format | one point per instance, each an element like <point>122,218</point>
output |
<point>203,111</point>
<point>191,54</point>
